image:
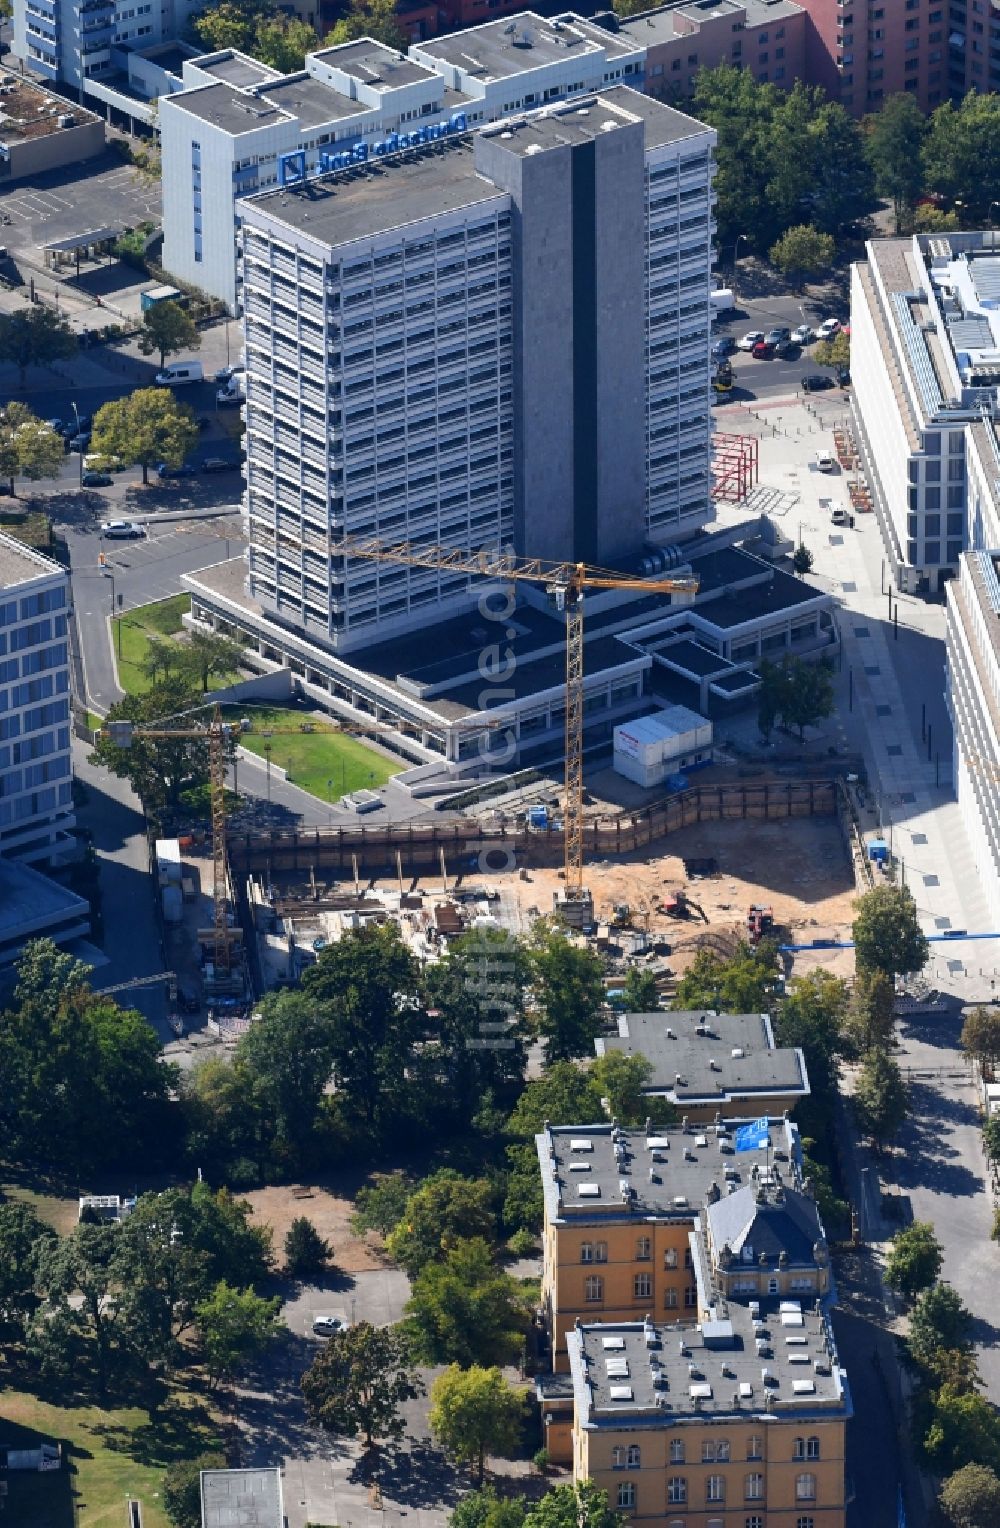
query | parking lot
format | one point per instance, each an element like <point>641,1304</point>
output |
<point>98,193</point>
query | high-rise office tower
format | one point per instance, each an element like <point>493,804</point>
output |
<point>477,339</point>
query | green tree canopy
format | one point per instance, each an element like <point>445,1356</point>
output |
<point>368,18</point>
<point>743,983</point>
<point>797,693</point>
<point>564,1094</point>
<point>582,1505</point>
<point>567,984</point>
<point>306,1253</point>
<point>886,932</point>
<point>970,1498</point>
<point>485,1509</point>
<point>283,42</point>
<point>167,328</point>
<point>221,1114</point>
<point>641,993</point>
<point>939,1319</point>
<point>234,1326</point>
<point>895,142</point>
<point>475,1412</point>
<point>464,1310</point>
<point>23,1239</point>
<point>442,1212</point>
<point>157,769</point>
<point>802,251</point>
<point>621,1080</point>
<point>206,655</point>
<point>965,1430</point>
<point>381,1205</point>
<point>370,981</point>
<point>35,336</point>
<point>146,427</point>
<point>880,1099</point>
<point>359,1381</point>
<point>833,352</point>
<point>802,559</point>
<point>871,1015</point>
<point>182,1488</point>
<point>28,447</point>
<point>981,1036</point>
<point>962,154</point>
<point>288,1058</point>
<point>915,1260</point>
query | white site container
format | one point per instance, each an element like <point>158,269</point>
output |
<point>168,860</point>
<point>651,748</point>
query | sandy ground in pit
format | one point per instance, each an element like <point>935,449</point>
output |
<point>329,1211</point>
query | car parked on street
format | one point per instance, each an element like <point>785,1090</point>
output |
<point>329,1326</point>
<point>763,350</point>
<point>122,530</point>
<point>723,347</point>
<point>825,460</point>
<point>96,480</point>
<point>828,328</point>
<point>843,376</point>
<point>750,339</point>
<point>803,335</point>
<point>184,470</point>
<point>218,464</point>
<point>816,383</point>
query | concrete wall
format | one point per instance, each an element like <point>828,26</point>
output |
<point>68,146</point>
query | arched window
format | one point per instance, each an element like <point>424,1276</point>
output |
<point>798,1448</point>
<point>805,1487</point>
<point>633,1456</point>
<point>594,1288</point>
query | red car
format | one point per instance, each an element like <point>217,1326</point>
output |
<point>762,351</point>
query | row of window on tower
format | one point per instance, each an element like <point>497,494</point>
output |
<point>628,1456</point>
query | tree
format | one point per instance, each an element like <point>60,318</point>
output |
<point>811,1015</point>
<point>523,1204</point>
<point>221,1115</point>
<point>802,251</point>
<point>970,1498</point>
<point>78,1276</point>
<point>915,1260</point>
<point>23,1238</point>
<point>565,1094</point>
<point>962,154</point>
<point>288,1059</point>
<point>370,980</point>
<point>445,1209</point>
<point>368,18</point>
<point>485,1509</point>
<point>939,1319</point>
<point>475,1412</point>
<point>802,561</point>
<point>206,655</point>
<point>965,1430</point>
<point>623,1080</point>
<point>895,145</point>
<point>930,219</point>
<point>981,1036</point>
<point>991,1137</point>
<point>568,989</point>
<point>741,984</point>
<point>582,1505</point>
<point>146,427</point>
<point>157,769</point>
<point>182,1488</point>
<point>834,352</point>
<point>641,993</point>
<point>464,1310</point>
<point>28,448</point>
<point>35,337</point>
<point>886,931</point>
<point>809,693</point>
<point>880,1100</point>
<point>167,329</point>
<point>230,24</point>
<point>234,1325</point>
<point>359,1381</point>
<point>283,42</point>
<point>871,1015</point>
<point>305,1250</point>
<point>381,1205</point>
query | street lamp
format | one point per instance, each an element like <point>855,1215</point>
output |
<point>76,416</point>
<point>736,256</point>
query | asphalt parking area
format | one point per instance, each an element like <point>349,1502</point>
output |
<point>98,193</point>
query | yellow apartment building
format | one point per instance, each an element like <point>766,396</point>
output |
<point>620,1207</point>
<point>707,1063</point>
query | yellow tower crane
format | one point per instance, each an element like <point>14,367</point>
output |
<point>565,582</point>
<point>218,732</point>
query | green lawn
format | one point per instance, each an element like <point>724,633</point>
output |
<point>313,758</point>
<point>131,633</point>
<point>110,1455</point>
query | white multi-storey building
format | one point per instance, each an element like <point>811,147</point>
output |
<point>223,135</point>
<point>486,339</point>
<point>36,800</point>
<point>925,363</point>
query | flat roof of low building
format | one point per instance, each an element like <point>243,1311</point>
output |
<point>241,1499</point>
<point>373,63</point>
<point>27,111</point>
<point>718,1056</point>
<point>654,27</point>
<point>19,564</point>
<point>312,101</point>
<point>223,106</point>
<point>495,50</point>
<point>382,194</point>
<point>32,906</point>
<point>236,68</point>
<point>586,1169</point>
<point>775,1357</point>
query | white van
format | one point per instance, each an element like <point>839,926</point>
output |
<point>178,373</point>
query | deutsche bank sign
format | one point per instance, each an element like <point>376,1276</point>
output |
<point>292,167</point>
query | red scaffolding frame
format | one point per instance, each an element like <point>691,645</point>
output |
<point>734,466</point>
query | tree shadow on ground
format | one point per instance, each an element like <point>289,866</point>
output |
<point>417,1475</point>
<point>271,1410</point>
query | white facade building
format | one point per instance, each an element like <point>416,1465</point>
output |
<point>36,799</point>
<point>925,364</point>
<point>489,339</point>
<point>223,135</point>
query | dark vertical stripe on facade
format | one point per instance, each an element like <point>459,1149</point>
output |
<point>583,161</point>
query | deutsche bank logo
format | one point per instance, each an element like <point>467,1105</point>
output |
<point>292,167</point>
